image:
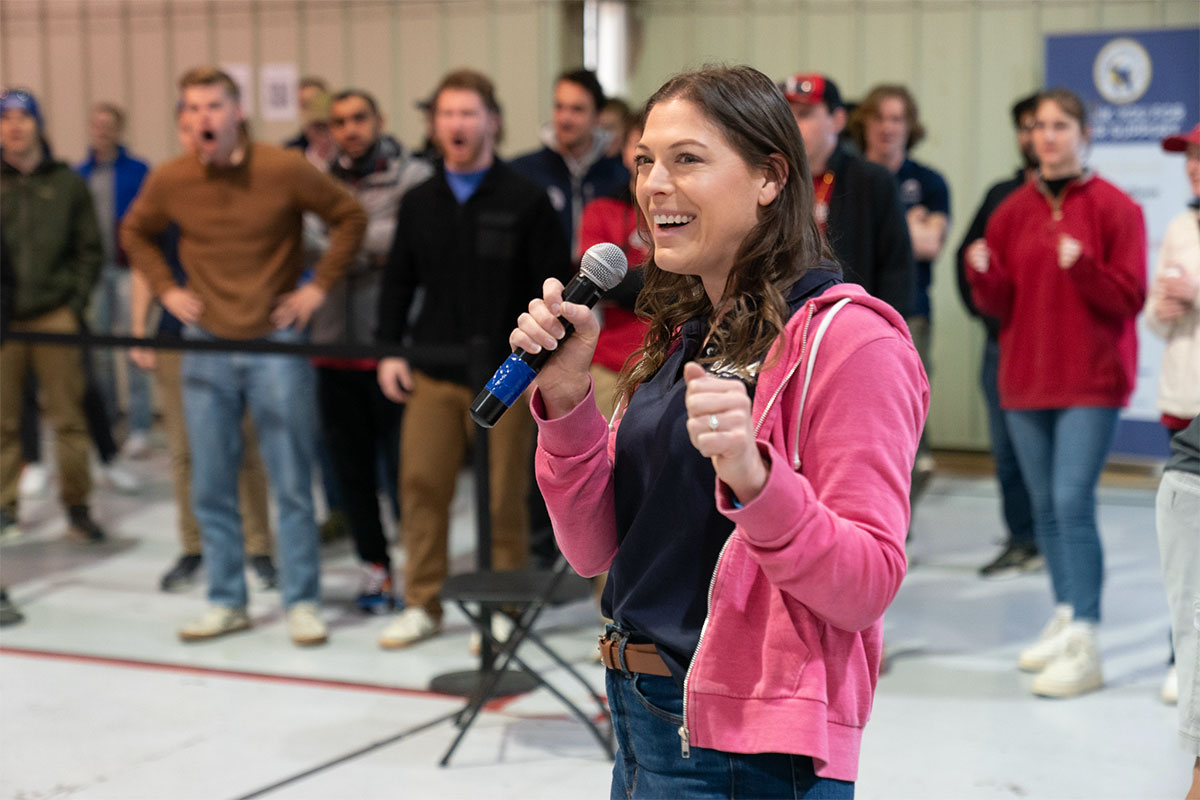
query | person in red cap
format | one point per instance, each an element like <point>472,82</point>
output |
<point>856,203</point>
<point>1171,310</point>
<point>1173,313</point>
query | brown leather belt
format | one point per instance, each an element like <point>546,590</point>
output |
<point>641,658</point>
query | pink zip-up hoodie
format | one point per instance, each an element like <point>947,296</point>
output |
<point>789,654</point>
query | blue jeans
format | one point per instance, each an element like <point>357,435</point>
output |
<point>279,390</point>
<point>1062,452</point>
<point>1014,499</point>
<point>647,712</point>
<point>110,315</point>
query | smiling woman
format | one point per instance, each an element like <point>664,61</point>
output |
<point>753,246</point>
<point>751,552</point>
<point>700,196</point>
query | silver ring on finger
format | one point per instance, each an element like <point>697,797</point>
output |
<point>714,424</point>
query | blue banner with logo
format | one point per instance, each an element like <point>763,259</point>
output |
<point>1140,86</point>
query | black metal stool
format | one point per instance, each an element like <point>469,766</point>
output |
<point>530,592</point>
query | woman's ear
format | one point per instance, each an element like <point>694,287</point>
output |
<point>775,177</point>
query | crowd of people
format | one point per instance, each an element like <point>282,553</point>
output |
<point>751,211</point>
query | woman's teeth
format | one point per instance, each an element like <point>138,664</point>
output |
<point>672,219</point>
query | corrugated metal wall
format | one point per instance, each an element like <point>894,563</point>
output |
<point>76,52</point>
<point>966,60</point>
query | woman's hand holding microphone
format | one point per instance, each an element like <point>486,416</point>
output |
<point>564,381</point>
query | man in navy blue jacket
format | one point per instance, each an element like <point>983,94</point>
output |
<point>571,166</point>
<point>573,170</point>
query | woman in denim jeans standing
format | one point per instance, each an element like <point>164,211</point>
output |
<point>750,500</point>
<point>1063,266</point>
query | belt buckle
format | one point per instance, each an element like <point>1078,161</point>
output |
<point>614,633</point>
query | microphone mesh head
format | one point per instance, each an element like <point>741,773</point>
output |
<point>604,265</point>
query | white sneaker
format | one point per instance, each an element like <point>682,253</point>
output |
<point>1050,643</point>
<point>117,477</point>
<point>1076,670</point>
<point>34,479</point>
<point>1170,687</point>
<point>137,445</point>
<point>217,621</point>
<point>502,628</point>
<point>304,626</point>
<point>409,627</point>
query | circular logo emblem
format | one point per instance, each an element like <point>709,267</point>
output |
<point>910,192</point>
<point>1122,71</point>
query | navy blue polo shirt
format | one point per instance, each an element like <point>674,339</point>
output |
<point>921,186</point>
<point>669,532</point>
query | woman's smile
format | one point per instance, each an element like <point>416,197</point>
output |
<point>700,195</point>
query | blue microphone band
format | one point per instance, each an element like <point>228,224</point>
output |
<point>603,266</point>
<point>511,379</point>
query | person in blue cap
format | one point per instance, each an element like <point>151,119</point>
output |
<point>50,233</point>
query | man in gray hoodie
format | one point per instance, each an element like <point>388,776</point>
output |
<point>354,413</point>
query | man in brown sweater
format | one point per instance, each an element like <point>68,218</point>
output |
<point>238,204</point>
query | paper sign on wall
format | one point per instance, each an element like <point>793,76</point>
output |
<point>277,87</point>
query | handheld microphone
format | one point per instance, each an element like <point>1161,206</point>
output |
<point>602,268</point>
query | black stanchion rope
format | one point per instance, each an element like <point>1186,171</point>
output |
<point>430,354</point>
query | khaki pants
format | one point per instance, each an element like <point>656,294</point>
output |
<point>60,378</point>
<point>252,479</point>
<point>436,431</point>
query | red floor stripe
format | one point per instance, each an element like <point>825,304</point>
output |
<point>232,673</point>
<point>498,704</point>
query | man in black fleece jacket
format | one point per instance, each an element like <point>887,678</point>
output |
<point>856,202</point>
<point>475,242</point>
<point>1020,553</point>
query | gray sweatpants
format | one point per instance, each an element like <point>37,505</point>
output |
<point>1178,522</point>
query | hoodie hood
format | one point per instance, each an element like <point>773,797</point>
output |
<point>789,359</point>
<point>385,149</point>
<point>577,166</point>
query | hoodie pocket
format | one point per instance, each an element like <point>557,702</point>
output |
<point>762,645</point>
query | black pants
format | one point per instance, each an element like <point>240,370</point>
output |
<point>361,426</point>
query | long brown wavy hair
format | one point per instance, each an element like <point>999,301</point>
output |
<point>751,112</point>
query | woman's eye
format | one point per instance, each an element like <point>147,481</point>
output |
<point>687,158</point>
<point>641,161</point>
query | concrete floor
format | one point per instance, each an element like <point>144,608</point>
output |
<point>98,699</point>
